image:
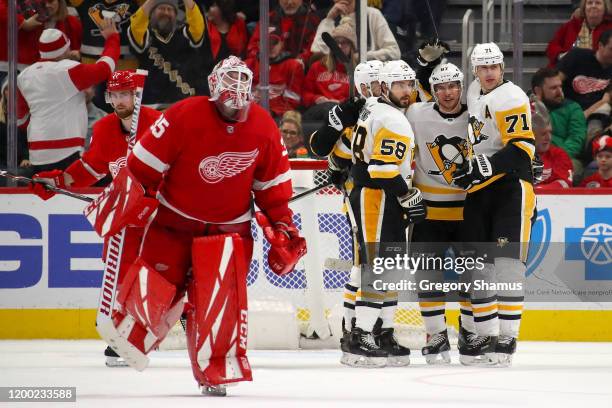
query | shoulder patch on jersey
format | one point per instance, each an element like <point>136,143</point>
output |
<point>213,169</point>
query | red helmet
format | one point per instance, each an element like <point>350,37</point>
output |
<point>121,81</point>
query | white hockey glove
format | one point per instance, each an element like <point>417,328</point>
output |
<point>414,206</point>
<point>473,172</point>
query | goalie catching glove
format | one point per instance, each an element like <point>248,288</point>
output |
<point>413,205</point>
<point>54,178</point>
<point>287,247</point>
<point>473,172</point>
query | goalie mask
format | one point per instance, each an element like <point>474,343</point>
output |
<point>230,88</point>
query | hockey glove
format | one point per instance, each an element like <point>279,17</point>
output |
<point>473,172</point>
<point>337,174</point>
<point>345,115</point>
<point>53,177</point>
<point>414,207</point>
<point>286,245</point>
<point>537,168</point>
<point>432,51</point>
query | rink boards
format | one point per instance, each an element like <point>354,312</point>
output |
<point>50,268</point>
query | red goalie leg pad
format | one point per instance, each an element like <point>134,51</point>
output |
<point>217,318</point>
<point>150,299</point>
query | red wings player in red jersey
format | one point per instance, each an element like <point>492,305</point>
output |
<point>107,154</point>
<point>211,158</point>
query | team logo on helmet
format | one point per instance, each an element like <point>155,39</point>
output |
<point>448,154</point>
<point>213,169</point>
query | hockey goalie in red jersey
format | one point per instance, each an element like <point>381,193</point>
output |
<point>210,157</point>
<point>112,139</point>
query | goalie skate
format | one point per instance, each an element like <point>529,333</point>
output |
<point>214,390</point>
<point>113,359</point>
<point>505,348</point>
<point>437,349</point>
<point>363,351</point>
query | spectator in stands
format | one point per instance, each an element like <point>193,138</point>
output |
<point>93,113</point>
<point>586,75</point>
<point>293,137</point>
<point>557,164</point>
<point>50,94</point>
<point>168,51</point>
<point>381,43</point>
<point>327,82</point>
<point>566,116</point>
<point>227,31</point>
<point>32,18</point>
<point>601,120</point>
<point>298,24</point>
<point>92,14</point>
<point>286,77</point>
<point>580,31</point>
<point>602,153</point>
<point>22,140</point>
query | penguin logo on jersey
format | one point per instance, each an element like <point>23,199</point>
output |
<point>448,154</point>
<point>475,134</point>
<point>119,13</point>
<point>213,169</point>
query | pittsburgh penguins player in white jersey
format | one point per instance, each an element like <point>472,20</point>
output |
<point>440,130</point>
<point>383,203</point>
<point>500,203</point>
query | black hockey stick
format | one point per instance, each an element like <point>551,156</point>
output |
<point>311,191</point>
<point>4,173</point>
<point>340,56</point>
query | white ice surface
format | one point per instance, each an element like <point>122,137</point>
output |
<point>544,375</point>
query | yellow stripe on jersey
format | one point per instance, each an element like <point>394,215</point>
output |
<point>372,212</point>
<point>527,147</point>
<point>528,207</point>
<point>486,183</point>
<point>445,214</point>
<point>514,123</point>
<point>342,151</point>
<point>390,147</point>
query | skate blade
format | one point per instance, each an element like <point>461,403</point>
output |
<point>442,358</point>
<point>398,361</point>
<point>353,360</point>
<point>214,390</point>
<point>504,360</point>
<point>116,362</point>
<point>486,360</point>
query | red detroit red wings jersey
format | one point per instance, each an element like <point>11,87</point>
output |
<point>210,168</point>
<point>108,148</point>
<point>596,181</point>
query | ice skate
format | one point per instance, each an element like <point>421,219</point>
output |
<point>363,351</point>
<point>113,359</point>
<point>344,342</point>
<point>480,351</point>
<point>505,348</point>
<point>399,355</point>
<point>437,349</point>
<point>219,390</point>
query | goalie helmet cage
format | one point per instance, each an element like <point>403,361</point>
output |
<point>304,309</point>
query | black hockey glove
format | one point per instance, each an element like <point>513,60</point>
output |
<point>345,115</point>
<point>473,172</point>
<point>413,205</point>
<point>337,175</point>
<point>432,51</point>
<point>537,168</point>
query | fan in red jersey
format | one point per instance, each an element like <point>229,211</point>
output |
<point>602,153</point>
<point>107,155</point>
<point>212,157</point>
